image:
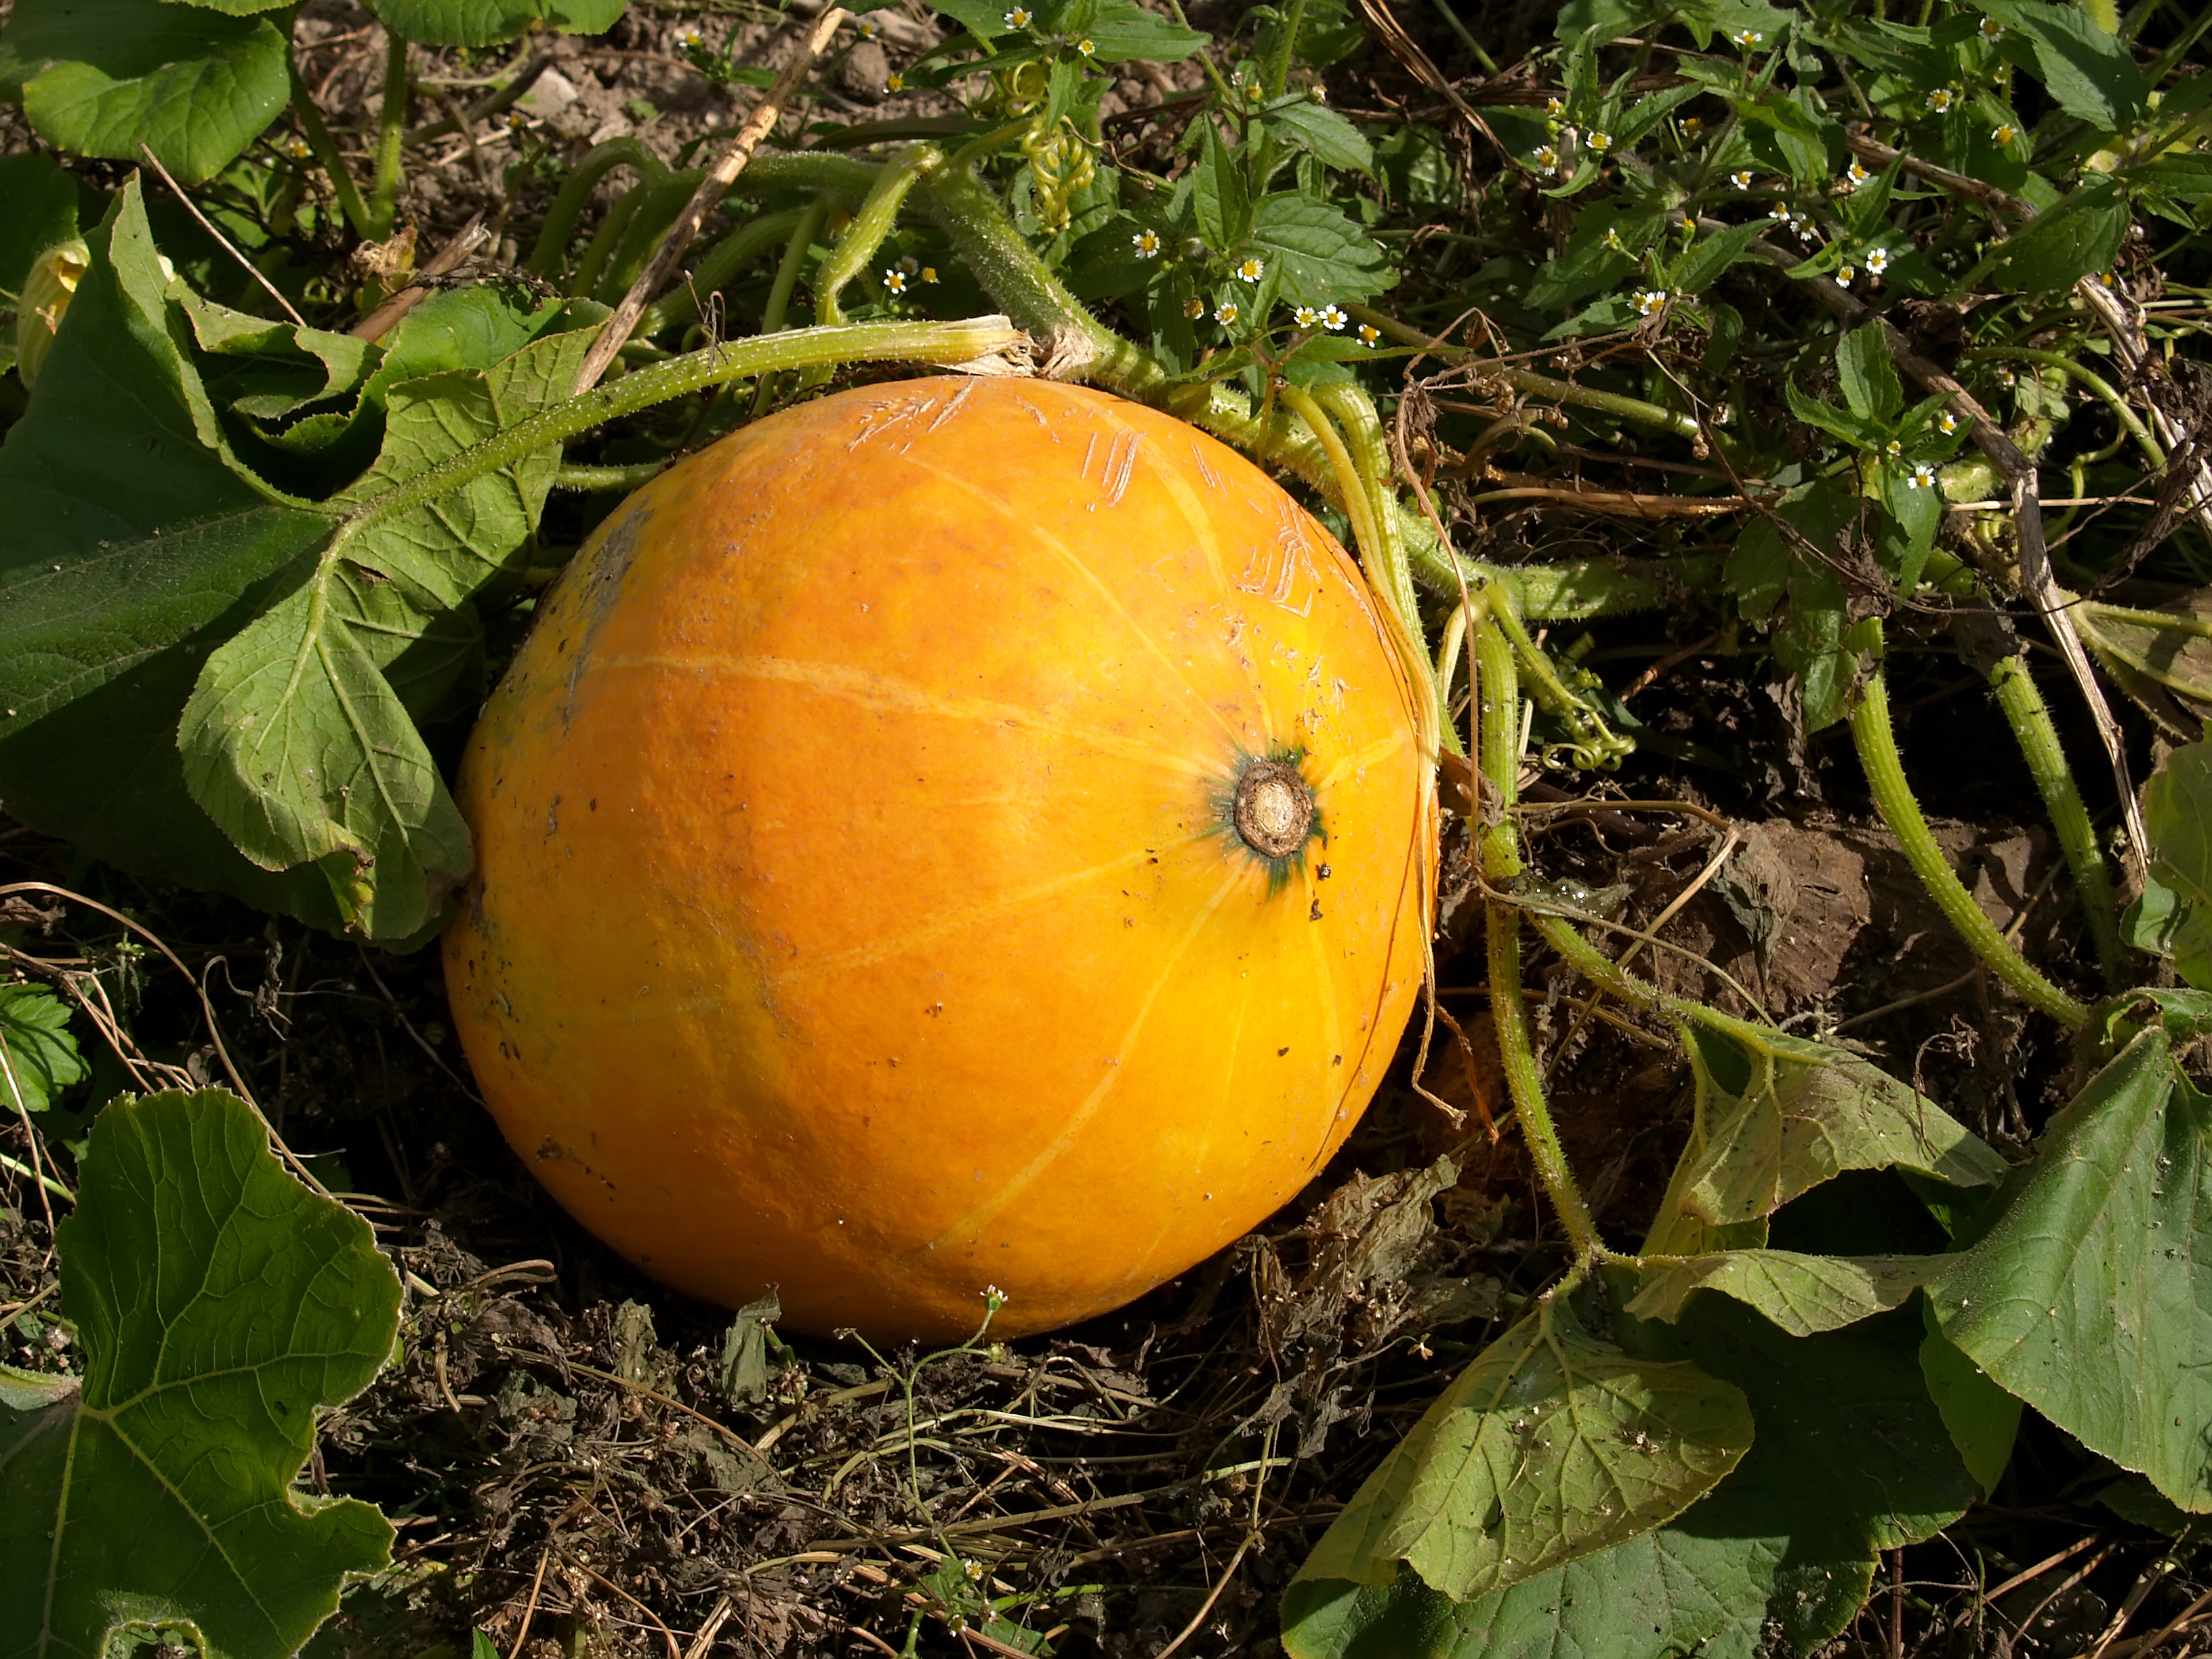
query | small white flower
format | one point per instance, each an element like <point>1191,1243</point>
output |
<point>1947,423</point>
<point>1146,242</point>
<point>1598,143</point>
<point>929,273</point>
<point>895,280</point>
<point>1251,270</point>
<point>1892,449</point>
<point>1741,178</point>
<point>1555,106</point>
<point>1306,317</point>
<point>1854,175</point>
<point>1846,275</point>
<point>997,1297</point>
<point>2002,134</point>
<point>1194,307</point>
<point>1332,319</point>
<point>1318,93</point>
<point>1226,313</point>
<point>516,121</point>
<point>1547,161</point>
<point>1941,99</point>
<point>1779,210</point>
<point>299,149</point>
<point>1747,37</point>
<point>1369,334</point>
<point>1650,302</point>
<point>690,40</point>
<point>1877,261</point>
<point>868,29</point>
<point>1088,48</point>
<point>1613,240</point>
<point>1693,129</point>
<point>1991,30</point>
<point>1923,477</point>
<point>895,83</point>
<point>1018,18</point>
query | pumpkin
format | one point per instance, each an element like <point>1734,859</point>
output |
<point>957,834</point>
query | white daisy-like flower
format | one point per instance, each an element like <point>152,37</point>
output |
<point>1018,18</point>
<point>1088,48</point>
<point>299,149</point>
<point>1693,129</point>
<point>1991,30</point>
<point>516,121</point>
<point>894,84</point>
<point>1923,477</point>
<point>1146,242</point>
<point>1856,174</point>
<point>2002,134</point>
<point>1306,317</point>
<point>1941,99</point>
<point>868,29</point>
<point>690,40</point>
<point>997,1297</point>
<point>1613,240</point>
<point>1877,261</point>
<point>1779,210</point>
<point>1332,319</point>
<point>895,280</point>
<point>1892,449</point>
<point>1741,178</point>
<point>1846,275</point>
<point>1598,143</point>
<point>1318,93</point>
<point>1947,423</point>
<point>1369,334</point>
<point>1547,161</point>
<point>1555,106</point>
<point>1747,37</point>
<point>1226,313</point>
<point>929,273</point>
<point>1251,270</point>
<point>1650,302</point>
<point>1194,307</point>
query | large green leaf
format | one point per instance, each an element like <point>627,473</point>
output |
<point>38,209</point>
<point>1850,1458</point>
<point>102,76</point>
<point>2087,1297</point>
<point>2088,72</point>
<point>220,1306</point>
<point>2059,246</point>
<point>205,679</point>
<point>1776,1115</point>
<point>487,22</point>
<point>2178,813</point>
<point>1322,256</point>
<point>1550,1446</point>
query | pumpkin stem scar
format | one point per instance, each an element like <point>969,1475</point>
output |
<point>1273,808</point>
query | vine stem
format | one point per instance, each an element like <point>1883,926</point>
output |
<point>1498,744</point>
<point>1876,741</point>
<point>327,153</point>
<point>391,134</point>
<point>2033,729</point>
<point>978,340</point>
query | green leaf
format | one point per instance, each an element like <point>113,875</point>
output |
<point>1319,253</point>
<point>1849,1459</point>
<point>2085,1296</point>
<point>487,22</point>
<point>1591,262</point>
<point>1800,1294</point>
<point>2088,73</point>
<point>1868,377</point>
<point>1983,1420</point>
<point>2178,813</point>
<point>1218,195</point>
<point>102,76</point>
<point>1551,1445</point>
<point>42,1057</point>
<point>1858,430</point>
<point>1776,1116</point>
<point>1321,132</point>
<point>1705,259</point>
<point>2059,246</point>
<point>2184,176</point>
<point>1911,514</point>
<point>1122,31</point>
<point>221,1306</point>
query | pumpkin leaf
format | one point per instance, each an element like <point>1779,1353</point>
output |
<point>1776,1115</point>
<point>2178,813</point>
<point>1800,1294</point>
<point>487,22</point>
<point>220,1306</point>
<point>1551,1445</point>
<point>2092,1256</point>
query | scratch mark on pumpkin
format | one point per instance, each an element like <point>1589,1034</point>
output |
<point>952,404</point>
<point>1079,1119</point>
<point>1359,760</point>
<point>1120,463</point>
<point>1089,450</point>
<point>1198,454</point>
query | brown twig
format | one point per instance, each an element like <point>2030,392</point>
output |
<point>229,246</point>
<point>530,1608</point>
<point>1212,1596</point>
<point>757,126</point>
<point>386,318</point>
<point>493,103</point>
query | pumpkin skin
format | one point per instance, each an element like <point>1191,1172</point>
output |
<point>859,906</point>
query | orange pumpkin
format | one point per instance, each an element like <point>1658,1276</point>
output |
<point>952,834</point>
